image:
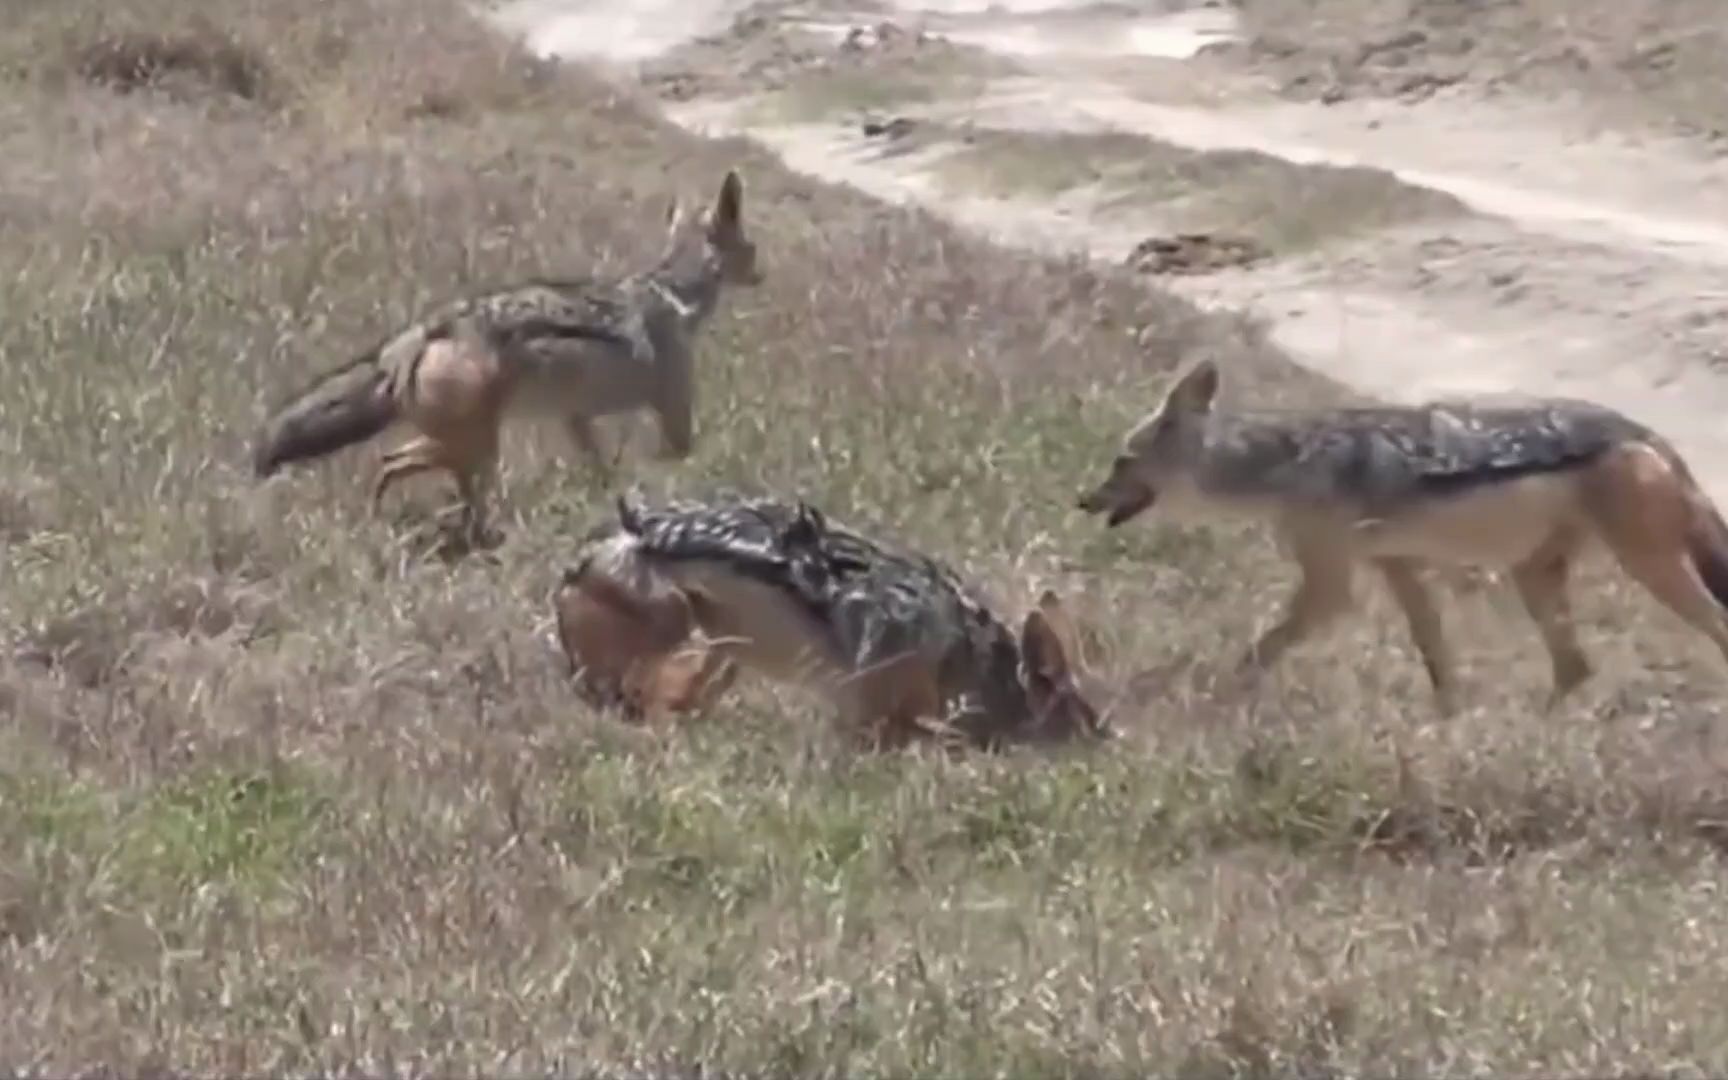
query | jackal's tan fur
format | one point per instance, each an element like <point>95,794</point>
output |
<point>1520,486</point>
<point>576,350</point>
<point>893,639</point>
<point>641,653</point>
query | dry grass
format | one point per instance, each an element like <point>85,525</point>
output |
<point>278,794</point>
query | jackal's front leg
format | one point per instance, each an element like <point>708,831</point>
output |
<point>1541,584</point>
<point>1425,628</point>
<point>587,440</point>
<point>675,406</point>
<point>1322,596</point>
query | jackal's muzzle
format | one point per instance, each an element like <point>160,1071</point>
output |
<point>1120,502</point>
<point>1121,495</point>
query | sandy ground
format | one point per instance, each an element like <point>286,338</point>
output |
<point>1593,260</point>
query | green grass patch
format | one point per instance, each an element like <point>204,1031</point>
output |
<point>247,830</point>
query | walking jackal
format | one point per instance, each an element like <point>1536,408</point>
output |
<point>894,640</point>
<point>575,349</point>
<point>1519,486</point>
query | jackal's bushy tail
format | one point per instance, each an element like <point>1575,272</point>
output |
<point>340,408</point>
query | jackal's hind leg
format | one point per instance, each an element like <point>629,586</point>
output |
<point>1648,521</point>
<point>1671,579</point>
<point>1661,565</point>
<point>410,459</point>
<point>472,466</point>
<point>474,484</point>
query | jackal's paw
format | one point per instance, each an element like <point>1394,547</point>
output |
<point>1569,676</point>
<point>459,538</point>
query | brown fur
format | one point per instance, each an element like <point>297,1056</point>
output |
<point>1638,500</point>
<point>895,641</point>
<point>458,394</point>
<point>574,349</point>
<point>1707,537</point>
<point>1518,486</point>
<point>634,652</point>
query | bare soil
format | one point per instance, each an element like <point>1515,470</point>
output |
<point>780,46</point>
<point>1087,147</point>
<point>1644,62</point>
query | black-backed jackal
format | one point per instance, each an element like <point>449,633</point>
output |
<point>575,350</point>
<point>1513,485</point>
<point>893,639</point>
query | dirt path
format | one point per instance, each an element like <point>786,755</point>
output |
<point>1577,260</point>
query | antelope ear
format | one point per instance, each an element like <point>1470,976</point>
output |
<point>729,208</point>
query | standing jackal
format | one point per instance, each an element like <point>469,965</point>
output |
<point>893,639</point>
<point>1517,486</point>
<point>577,350</point>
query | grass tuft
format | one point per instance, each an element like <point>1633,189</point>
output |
<point>246,830</point>
<point>208,61</point>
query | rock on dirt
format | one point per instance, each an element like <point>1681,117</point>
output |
<point>897,128</point>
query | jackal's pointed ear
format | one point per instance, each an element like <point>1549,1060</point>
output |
<point>1195,391</point>
<point>1062,624</point>
<point>806,527</point>
<point>729,208</point>
<point>1042,655</point>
